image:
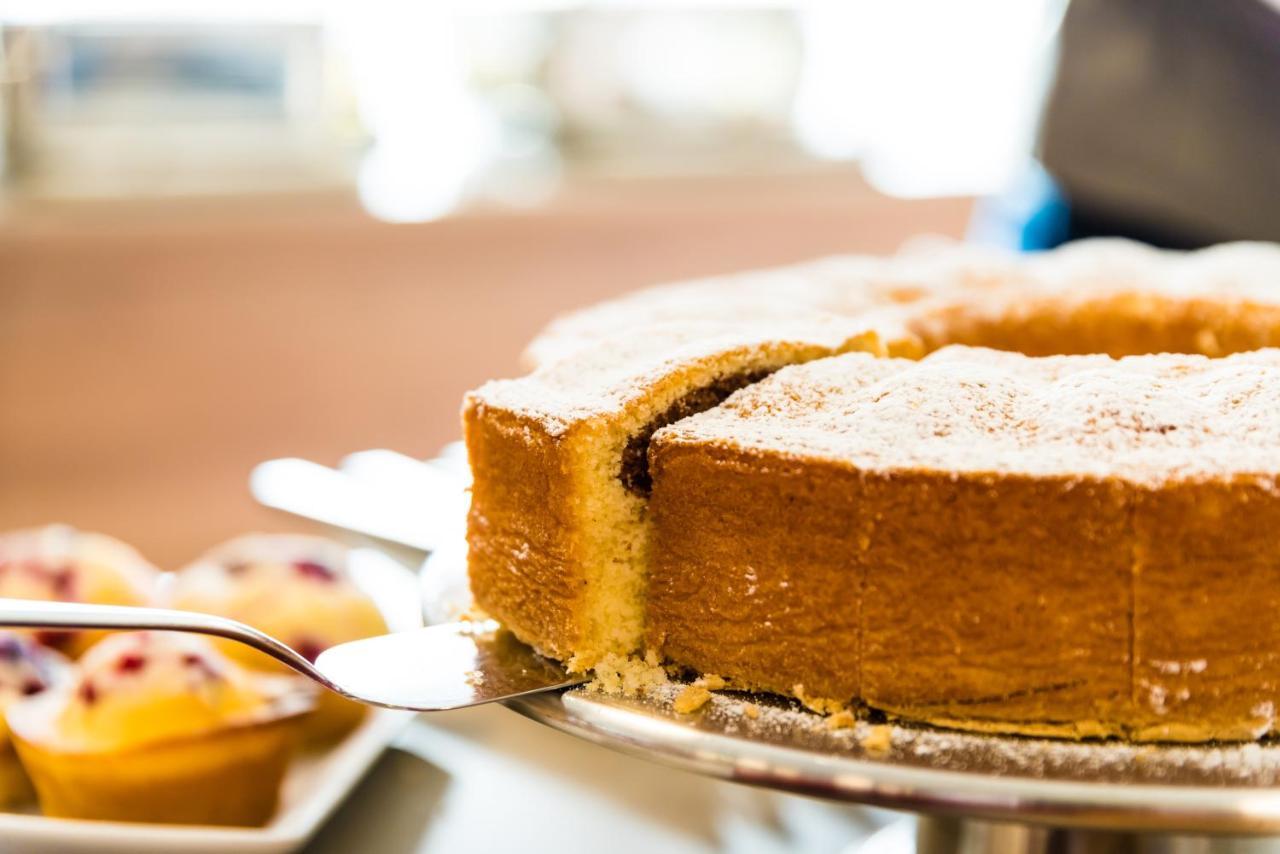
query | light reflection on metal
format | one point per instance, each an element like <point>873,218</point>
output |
<point>449,666</point>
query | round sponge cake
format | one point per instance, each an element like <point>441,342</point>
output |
<point>825,481</point>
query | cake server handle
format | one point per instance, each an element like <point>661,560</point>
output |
<point>38,614</point>
<point>447,666</point>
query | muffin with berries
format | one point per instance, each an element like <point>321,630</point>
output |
<point>60,563</point>
<point>26,669</point>
<point>295,588</point>
<point>161,727</point>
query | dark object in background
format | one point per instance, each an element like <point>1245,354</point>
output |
<point>1162,124</point>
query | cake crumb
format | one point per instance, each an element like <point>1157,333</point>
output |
<point>692,698</point>
<point>878,740</point>
<point>841,720</point>
<point>711,682</point>
<point>627,676</point>
<point>751,710</point>
<point>821,705</point>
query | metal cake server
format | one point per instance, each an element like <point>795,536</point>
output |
<point>446,666</point>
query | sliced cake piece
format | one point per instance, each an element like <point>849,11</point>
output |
<point>558,529</point>
<point>983,540</point>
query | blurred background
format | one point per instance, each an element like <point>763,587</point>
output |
<point>237,230</point>
<point>234,230</point>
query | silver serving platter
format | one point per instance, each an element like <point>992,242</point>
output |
<point>1115,786</point>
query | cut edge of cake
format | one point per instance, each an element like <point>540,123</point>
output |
<point>558,532</point>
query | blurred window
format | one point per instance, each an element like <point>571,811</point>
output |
<point>425,109</point>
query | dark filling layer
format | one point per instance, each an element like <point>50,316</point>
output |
<point>634,473</point>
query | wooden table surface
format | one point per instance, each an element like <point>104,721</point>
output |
<point>152,353</point>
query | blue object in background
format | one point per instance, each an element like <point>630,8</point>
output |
<point>1033,215</point>
<point>1036,214</point>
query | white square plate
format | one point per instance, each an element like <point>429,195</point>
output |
<point>314,787</point>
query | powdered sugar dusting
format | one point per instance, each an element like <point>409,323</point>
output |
<point>597,360</point>
<point>1148,419</point>
<point>774,720</point>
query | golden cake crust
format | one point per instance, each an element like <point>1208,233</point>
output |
<point>1206,582</point>
<point>722,594</point>
<point>1011,532</point>
<point>521,560</point>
